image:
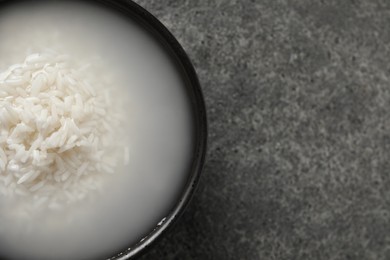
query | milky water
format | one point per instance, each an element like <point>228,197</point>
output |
<point>135,198</point>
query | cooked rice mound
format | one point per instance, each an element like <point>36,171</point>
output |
<point>59,128</point>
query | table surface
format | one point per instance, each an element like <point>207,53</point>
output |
<point>297,93</point>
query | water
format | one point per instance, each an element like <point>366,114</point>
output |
<point>137,197</point>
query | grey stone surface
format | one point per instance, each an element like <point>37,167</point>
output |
<point>298,97</point>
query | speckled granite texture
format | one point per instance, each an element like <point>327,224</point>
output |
<point>298,96</point>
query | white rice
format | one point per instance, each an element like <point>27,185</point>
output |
<point>58,129</point>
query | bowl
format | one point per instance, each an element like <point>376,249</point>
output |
<point>192,87</point>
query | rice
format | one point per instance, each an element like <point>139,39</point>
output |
<point>59,130</point>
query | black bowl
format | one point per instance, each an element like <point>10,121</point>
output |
<point>183,64</point>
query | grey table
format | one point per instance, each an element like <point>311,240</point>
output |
<point>298,97</point>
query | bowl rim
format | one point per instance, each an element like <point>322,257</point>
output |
<point>139,14</point>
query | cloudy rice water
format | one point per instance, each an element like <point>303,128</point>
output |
<point>95,132</point>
